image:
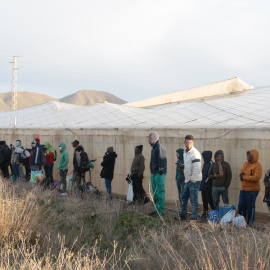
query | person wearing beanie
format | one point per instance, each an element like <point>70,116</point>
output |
<point>250,176</point>
<point>48,167</point>
<point>220,174</point>
<point>37,155</point>
<point>158,168</point>
<point>137,170</point>
<point>107,171</point>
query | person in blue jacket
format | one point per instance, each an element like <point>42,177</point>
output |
<point>206,184</point>
<point>179,176</point>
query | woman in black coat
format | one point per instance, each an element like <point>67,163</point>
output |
<point>108,169</point>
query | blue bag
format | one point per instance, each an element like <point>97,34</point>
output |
<point>225,208</point>
<point>213,216</point>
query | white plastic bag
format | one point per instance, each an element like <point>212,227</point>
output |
<point>239,221</point>
<point>228,218</point>
<point>130,193</point>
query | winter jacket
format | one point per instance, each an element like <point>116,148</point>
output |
<point>5,153</point>
<point>50,152</point>
<point>222,181</point>
<point>158,159</point>
<point>206,184</point>
<point>138,165</point>
<point>192,163</point>
<point>63,159</point>
<point>252,173</point>
<point>83,165</point>
<point>108,165</point>
<point>179,176</point>
<point>36,157</point>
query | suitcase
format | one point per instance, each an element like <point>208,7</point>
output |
<point>225,208</point>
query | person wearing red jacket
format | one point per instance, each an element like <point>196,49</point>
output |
<point>50,154</point>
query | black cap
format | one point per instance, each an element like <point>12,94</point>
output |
<point>76,141</point>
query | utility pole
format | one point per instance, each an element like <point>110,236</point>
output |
<point>13,104</point>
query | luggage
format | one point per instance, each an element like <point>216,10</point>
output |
<point>213,216</point>
<point>225,208</point>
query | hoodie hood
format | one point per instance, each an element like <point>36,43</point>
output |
<point>180,152</point>
<point>219,152</point>
<point>49,147</point>
<point>63,145</point>
<point>255,155</point>
<point>113,154</point>
<point>207,156</point>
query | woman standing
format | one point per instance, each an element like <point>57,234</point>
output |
<point>50,156</point>
<point>108,169</point>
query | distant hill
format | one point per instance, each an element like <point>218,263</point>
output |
<point>90,97</point>
<point>83,97</point>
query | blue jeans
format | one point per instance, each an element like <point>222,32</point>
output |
<point>49,173</point>
<point>180,187</point>
<point>216,192</point>
<point>108,185</point>
<point>191,191</point>
<point>15,169</point>
<point>246,205</point>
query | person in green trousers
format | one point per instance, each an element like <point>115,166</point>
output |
<point>158,168</point>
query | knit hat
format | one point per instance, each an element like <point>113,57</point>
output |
<point>140,147</point>
<point>110,149</point>
<point>37,139</point>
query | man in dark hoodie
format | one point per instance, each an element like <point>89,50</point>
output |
<point>5,156</point>
<point>81,166</point>
<point>221,175</point>
<point>158,168</point>
<point>137,170</point>
<point>179,176</point>
<point>206,184</point>
<point>108,169</point>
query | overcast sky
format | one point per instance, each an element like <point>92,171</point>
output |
<point>133,49</point>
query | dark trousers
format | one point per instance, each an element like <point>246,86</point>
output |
<point>216,193</point>
<point>49,174</point>
<point>63,175</point>
<point>4,169</point>
<point>15,168</point>
<point>138,190</point>
<point>80,180</point>
<point>207,199</point>
<point>246,205</point>
<point>27,171</point>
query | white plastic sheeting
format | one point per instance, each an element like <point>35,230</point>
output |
<point>250,110</point>
<point>222,88</point>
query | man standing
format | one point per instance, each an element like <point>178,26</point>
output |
<point>5,155</point>
<point>62,166</point>
<point>250,176</point>
<point>158,168</point>
<point>221,175</point>
<point>137,170</point>
<point>193,177</point>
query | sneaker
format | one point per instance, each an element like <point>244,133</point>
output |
<point>182,217</point>
<point>63,194</point>
<point>153,213</point>
<point>204,215</point>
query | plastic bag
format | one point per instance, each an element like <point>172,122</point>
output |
<point>130,193</point>
<point>69,183</point>
<point>213,216</point>
<point>239,221</point>
<point>228,218</point>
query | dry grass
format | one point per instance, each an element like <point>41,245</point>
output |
<point>42,230</point>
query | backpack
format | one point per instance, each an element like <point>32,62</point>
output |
<point>55,156</point>
<point>213,216</point>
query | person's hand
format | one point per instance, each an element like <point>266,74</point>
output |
<point>181,166</point>
<point>216,175</point>
<point>160,172</point>
<point>241,176</point>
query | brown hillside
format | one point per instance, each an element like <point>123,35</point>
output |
<point>83,97</point>
<point>90,97</point>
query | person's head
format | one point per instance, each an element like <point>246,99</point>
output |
<point>110,149</point>
<point>219,156</point>
<point>153,138</point>
<point>252,156</point>
<point>33,144</point>
<point>18,143</point>
<point>62,147</point>
<point>180,153</point>
<point>207,156</point>
<point>75,143</point>
<point>37,139</point>
<point>189,142</point>
<point>138,149</point>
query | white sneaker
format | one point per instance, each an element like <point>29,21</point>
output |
<point>63,194</point>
